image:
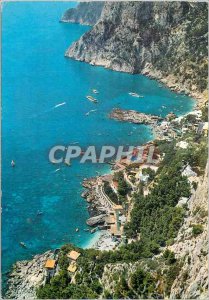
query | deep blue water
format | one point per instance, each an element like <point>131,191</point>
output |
<point>35,77</point>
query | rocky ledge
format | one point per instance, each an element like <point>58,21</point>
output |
<point>86,13</point>
<point>134,116</point>
<point>26,276</point>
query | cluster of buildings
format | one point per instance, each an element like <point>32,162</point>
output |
<point>51,265</point>
<point>174,127</point>
<point>133,173</point>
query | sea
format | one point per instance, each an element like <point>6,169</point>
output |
<point>36,78</point>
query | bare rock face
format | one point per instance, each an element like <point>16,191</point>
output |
<point>26,276</point>
<point>86,13</point>
<point>165,40</point>
<point>96,220</point>
<point>192,281</point>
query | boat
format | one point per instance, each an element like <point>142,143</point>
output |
<point>93,230</point>
<point>23,244</point>
<point>12,163</point>
<point>134,94</point>
<point>86,229</point>
<point>92,99</point>
<point>77,230</point>
<point>95,91</point>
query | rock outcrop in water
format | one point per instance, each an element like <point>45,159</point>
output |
<point>133,116</point>
<point>165,40</point>
<point>86,13</point>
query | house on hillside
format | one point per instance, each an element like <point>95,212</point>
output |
<point>50,268</point>
<point>73,255</point>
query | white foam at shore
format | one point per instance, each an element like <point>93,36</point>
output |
<point>92,242</point>
<point>102,240</point>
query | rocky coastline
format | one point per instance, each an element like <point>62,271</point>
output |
<point>86,13</point>
<point>26,276</point>
<point>134,116</point>
<point>123,40</point>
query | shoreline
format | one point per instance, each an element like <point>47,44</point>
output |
<point>32,269</point>
<point>101,238</point>
<point>168,81</point>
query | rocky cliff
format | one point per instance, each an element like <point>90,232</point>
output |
<point>86,13</point>
<point>165,40</point>
<point>26,276</point>
<point>192,281</point>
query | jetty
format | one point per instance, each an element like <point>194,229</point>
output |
<point>134,116</point>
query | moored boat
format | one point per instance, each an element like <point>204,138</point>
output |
<point>95,91</point>
<point>22,244</point>
<point>92,99</point>
<point>136,95</point>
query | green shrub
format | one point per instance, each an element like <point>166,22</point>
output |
<point>197,229</point>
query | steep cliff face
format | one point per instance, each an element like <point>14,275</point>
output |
<point>87,13</point>
<point>192,281</point>
<point>166,40</point>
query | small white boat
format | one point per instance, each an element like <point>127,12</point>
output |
<point>95,91</point>
<point>12,163</point>
<point>23,245</point>
<point>92,99</point>
<point>135,95</point>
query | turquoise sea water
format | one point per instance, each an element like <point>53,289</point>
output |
<point>35,78</point>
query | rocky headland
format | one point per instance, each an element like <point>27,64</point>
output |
<point>86,13</point>
<point>26,276</point>
<point>164,40</point>
<point>134,116</point>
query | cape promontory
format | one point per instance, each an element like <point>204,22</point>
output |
<point>86,13</point>
<point>165,40</point>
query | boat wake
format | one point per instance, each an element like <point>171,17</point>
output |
<point>48,110</point>
<point>56,170</point>
<point>60,104</point>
